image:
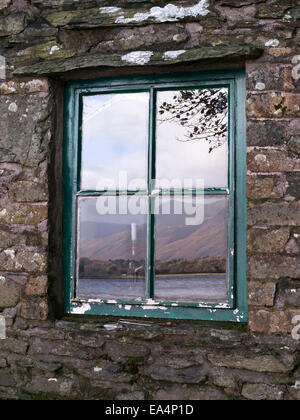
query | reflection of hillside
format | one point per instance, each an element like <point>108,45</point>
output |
<point>109,268</point>
<point>120,268</point>
<point>111,241</point>
<point>174,240</point>
<point>184,266</point>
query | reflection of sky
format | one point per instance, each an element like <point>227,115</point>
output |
<point>177,159</point>
<point>89,213</point>
<point>115,137</point>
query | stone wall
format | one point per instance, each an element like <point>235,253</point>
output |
<point>46,42</point>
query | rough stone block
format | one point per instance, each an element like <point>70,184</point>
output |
<point>11,288</point>
<point>22,260</point>
<point>267,241</point>
<point>266,77</point>
<point>261,294</point>
<point>56,388</point>
<point>273,267</point>
<point>6,378</point>
<point>190,393</point>
<point>260,187</point>
<point>272,322</point>
<point>37,286</point>
<point>274,214</point>
<point>12,345</point>
<point>273,105</point>
<point>293,189</point>
<point>193,375</point>
<point>25,214</point>
<point>27,191</point>
<point>4,4</point>
<point>121,351</point>
<point>288,295</point>
<point>263,363</point>
<point>265,133</point>
<point>34,310</point>
<point>260,392</point>
<point>271,160</point>
<point>12,24</point>
<point>31,86</point>
<point>27,141</point>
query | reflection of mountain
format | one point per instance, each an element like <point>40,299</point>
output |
<point>174,240</point>
<point>108,241</point>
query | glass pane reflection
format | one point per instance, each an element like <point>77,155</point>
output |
<point>114,139</point>
<point>191,260</point>
<point>192,136</point>
<point>111,251</point>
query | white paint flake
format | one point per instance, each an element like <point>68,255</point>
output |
<point>222,306</point>
<point>81,310</point>
<point>296,68</point>
<point>109,9</point>
<point>169,13</point>
<point>138,57</point>
<point>52,380</point>
<point>97,369</point>
<point>153,308</point>
<point>53,49</point>
<point>172,55</point>
<point>2,280</point>
<point>272,43</point>
<point>95,301</point>
<point>127,307</point>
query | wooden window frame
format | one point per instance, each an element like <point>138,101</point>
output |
<point>236,308</point>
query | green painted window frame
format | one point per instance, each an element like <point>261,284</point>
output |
<point>236,310</point>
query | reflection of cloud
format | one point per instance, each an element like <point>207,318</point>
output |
<point>188,159</point>
<point>115,137</point>
<point>95,105</point>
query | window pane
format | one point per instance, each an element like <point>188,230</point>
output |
<point>192,136</point>
<point>114,139</point>
<point>191,259</point>
<point>111,248</point>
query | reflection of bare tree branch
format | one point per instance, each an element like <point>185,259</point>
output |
<point>203,113</point>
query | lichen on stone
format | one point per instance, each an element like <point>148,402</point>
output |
<point>168,13</point>
<point>138,57</point>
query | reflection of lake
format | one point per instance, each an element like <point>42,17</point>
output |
<point>195,288</point>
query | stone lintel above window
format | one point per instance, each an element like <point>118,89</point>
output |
<point>141,58</point>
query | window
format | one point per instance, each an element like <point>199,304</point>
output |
<point>154,196</point>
